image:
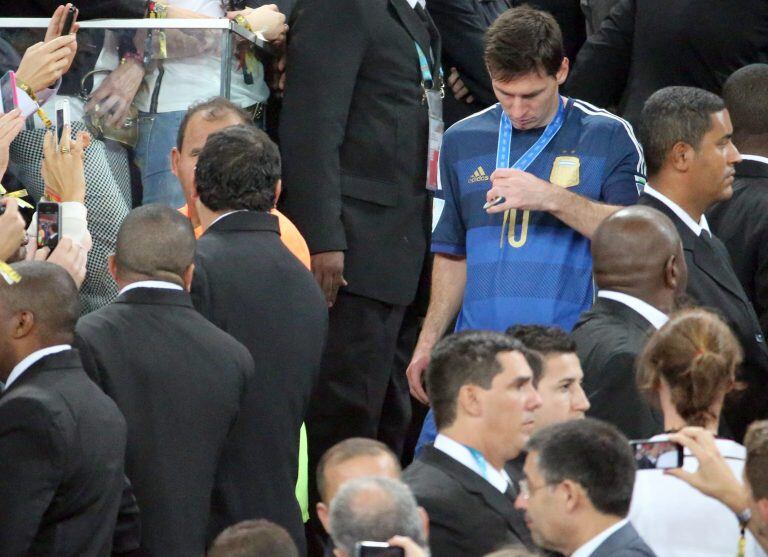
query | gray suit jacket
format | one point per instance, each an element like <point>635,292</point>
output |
<point>624,542</point>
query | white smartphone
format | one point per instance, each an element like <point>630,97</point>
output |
<point>62,117</point>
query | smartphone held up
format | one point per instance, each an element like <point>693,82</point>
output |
<point>657,454</point>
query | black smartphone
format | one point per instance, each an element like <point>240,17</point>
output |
<point>48,224</point>
<point>8,95</point>
<point>659,454</point>
<point>70,19</point>
<point>377,549</point>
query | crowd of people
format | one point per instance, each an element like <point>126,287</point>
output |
<point>448,278</point>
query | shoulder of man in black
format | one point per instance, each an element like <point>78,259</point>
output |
<point>468,515</point>
<point>62,445</point>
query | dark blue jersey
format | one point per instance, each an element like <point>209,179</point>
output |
<point>528,266</point>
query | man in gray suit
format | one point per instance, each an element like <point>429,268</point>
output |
<point>577,489</point>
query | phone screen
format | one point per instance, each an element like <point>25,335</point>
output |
<point>657,455</point>
<point>376,549</point>
<point>8,92</point>
<point>48,226</point>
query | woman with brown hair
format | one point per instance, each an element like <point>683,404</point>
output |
<point>687,368</point>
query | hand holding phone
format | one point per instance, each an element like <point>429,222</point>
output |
<point>69,19</point>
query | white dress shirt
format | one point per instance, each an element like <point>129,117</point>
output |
<point>697,227</point>
<point>33,358</point>
<point>650,313</point>
<point>162,284</point>
<point>589,548</point>
<point>458,452</point>
<point>217,219</point>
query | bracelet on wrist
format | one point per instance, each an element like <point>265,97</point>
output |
<point>132,56</point>
<point>32,95</point>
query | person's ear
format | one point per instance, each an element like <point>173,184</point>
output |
<point>278,190</point>
<point>112,266</point>
<point>23,323</point>
<point>562,72</point>
<point>681,156</point>
<point>762,509</point>
<point>175,157</point>
<point>322,514</point>
<point>469,400</point>
<point>573,494</point>
<point>424,520</point>
<point>189,272</point>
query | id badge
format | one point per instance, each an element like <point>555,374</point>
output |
<point>436,129</point>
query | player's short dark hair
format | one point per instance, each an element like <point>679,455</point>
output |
<point>521,41</point>
<point>49,293</point>
<point>347,450</point>
<point>745,94</point>
<point>591,453</point>
<point>213,109</point>
<point>673,115</point>
<point>238,169</point>
<point>254,538</point>
<point>543,339</point>
<point>465,358</point>
<point>155,241</point>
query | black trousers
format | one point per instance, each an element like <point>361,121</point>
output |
<point>355,375</point>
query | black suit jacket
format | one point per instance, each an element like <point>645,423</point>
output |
<point>462,25</point>
<point>179,381</point>
<point>741,224</point>
<point>467,515</point>
<point>249,284</point>
<point>609,337</point>
<point>353,134</point>
<point>645,45</point>
<point>62,445</point>
<point>712,282</point>
<point>624,542</point>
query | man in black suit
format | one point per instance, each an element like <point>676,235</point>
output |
<point>577,489</point>
<point>481,389</point>
<point>249,284</point>
<point>62,441</point>
<point>686,135</point>
<point>645,45</point>
<point>637,290</point>
<point>178,379</point>
<point>740,221</point>
<point>354,136</point>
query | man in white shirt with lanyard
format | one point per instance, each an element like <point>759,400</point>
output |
<point>481,387</point>
<point>576,502</point>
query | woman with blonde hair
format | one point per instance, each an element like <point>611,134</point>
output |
<point>687,368</point>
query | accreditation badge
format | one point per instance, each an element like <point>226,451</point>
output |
<point>436,128</point>
<point>565,172</point>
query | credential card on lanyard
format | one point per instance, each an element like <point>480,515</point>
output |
<point>436,126</point>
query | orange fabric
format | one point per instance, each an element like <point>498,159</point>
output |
<point>289,234</point>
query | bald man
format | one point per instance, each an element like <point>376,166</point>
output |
<point>62,441</point>
<point>352,458</point>
<point>638,288</point>
<point>179,380</point>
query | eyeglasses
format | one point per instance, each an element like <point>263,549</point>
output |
<point>526,490</point>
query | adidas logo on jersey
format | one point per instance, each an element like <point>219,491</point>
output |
<point>478,175</point>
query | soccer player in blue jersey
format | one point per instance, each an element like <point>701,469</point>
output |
<point>522,187</point>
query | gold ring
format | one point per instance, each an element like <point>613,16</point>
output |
<point>64,150</point>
